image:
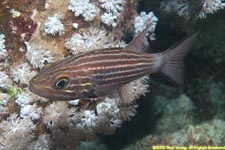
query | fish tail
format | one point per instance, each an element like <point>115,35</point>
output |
<point>173,57</point>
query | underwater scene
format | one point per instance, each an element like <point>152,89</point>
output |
<point>112,74</point>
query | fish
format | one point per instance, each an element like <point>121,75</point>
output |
<point>97,73</point>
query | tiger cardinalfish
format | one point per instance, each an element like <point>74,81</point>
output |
<point>97,73</point>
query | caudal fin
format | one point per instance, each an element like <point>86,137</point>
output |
<point>174,56</point>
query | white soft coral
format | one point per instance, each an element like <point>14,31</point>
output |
<point>109,19</point>
<point>16,133</point>
<point>53,25</point>
<point>42,142</point>
<point>55,115</point>
<point>22,73</point>
<point>144,19</point>
<point>4,99</point>
<point>198,9</point>
<point>211,6</point>
<point>84,8</point>
<point>94,39</point>
<point>32,111</point>
<point>3,52</point>
<point>5,81</point>
<point>23,99</point>
<point>38,56</point>
<point>112,5</point>
<point>112,11</point>
<point>108,107</point>
<point>84,120</point>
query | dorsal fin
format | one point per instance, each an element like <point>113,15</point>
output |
<point>140,42</point>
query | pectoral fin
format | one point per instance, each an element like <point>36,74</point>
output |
<point>123,92</point>
<point>102,91</point>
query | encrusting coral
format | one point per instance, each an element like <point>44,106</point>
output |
<point>205,134</point>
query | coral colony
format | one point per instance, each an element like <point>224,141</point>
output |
<point>3,51</point>
<point>187,8</point>
<point>140,23</point>
<point>53,25</point>
<point>84,8</point>
<point>68,28</point>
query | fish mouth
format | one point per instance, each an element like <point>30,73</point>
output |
<point>34,88</point>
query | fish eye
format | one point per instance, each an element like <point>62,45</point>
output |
<point>61,83</point>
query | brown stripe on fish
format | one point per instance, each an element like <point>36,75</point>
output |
<point>73,58</point>
<point>97,53</point>
<point>115,69</point>
<point>121,82</point>
<point>96,66</point>
<point>54,65</point>
<point>129,73</point>
<point>102,62</point>
<point>119,58</point>
<point>109,64</point>
<point>108,61</point>
<point>108,55</point>
<point>90,72</point>
<point>120,77</point>
<point>108,75</point>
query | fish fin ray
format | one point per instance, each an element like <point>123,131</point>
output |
<point>122,92</point>
<point>140,42</point>
<point>174,66</point>
<point>102,91</point>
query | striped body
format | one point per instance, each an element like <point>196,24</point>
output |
<point>94,74</point>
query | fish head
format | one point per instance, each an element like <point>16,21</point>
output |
<point>55,82</point>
